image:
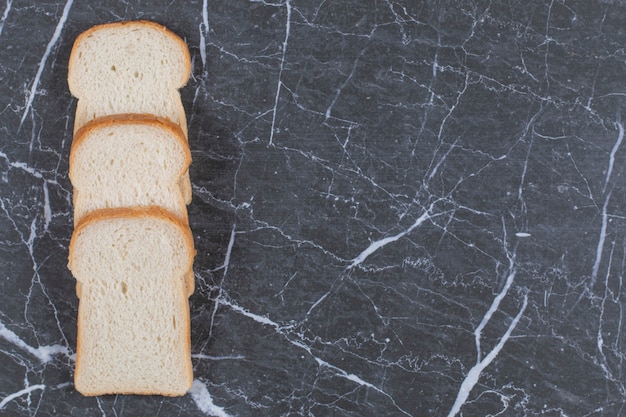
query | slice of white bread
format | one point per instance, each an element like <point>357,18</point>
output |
<point>126,161</point>
<point>133,317</point>
<point>130,67</point>
<point>129,161</point>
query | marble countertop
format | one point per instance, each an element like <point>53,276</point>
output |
<point>400,208</point>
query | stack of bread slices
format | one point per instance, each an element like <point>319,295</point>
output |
<point>132,250</point>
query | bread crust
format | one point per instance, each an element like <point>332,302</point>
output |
<point>133,119</point>
<point>184,78</point>
<point>130,119</point>
<point>134,212</point>
<point>129,213</point>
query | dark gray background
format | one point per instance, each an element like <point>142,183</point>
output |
<point>401,208</point>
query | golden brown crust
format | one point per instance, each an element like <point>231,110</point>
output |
<point>130,23</point>
<point>134,212</point>
<point>185,186</point>
<point>131,119</point>
<point>190,282</point>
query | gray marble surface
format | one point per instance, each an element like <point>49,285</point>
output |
<point>401,208</point>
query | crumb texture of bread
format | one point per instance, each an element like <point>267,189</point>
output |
<point>133,320</point>
<point>128,162</point>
